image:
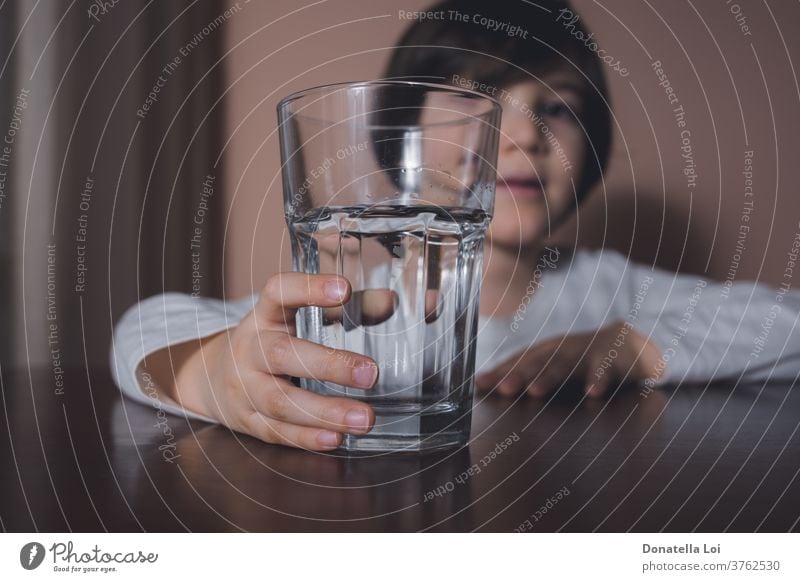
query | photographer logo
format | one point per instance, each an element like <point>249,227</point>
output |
<point>31,555</point>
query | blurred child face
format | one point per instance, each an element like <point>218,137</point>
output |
<point>542,152</point>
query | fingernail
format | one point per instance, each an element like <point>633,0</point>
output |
<point>364,375</point>
<point>328,439</point>
<point>357,419</point>
<point>335,290</point>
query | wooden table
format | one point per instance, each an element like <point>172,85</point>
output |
<point>714,458</point>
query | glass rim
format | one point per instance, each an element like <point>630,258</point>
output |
<point>328,88</point>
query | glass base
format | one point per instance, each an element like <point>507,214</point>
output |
<point>399,432</point>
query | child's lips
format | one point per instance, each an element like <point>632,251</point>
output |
<point>524,188</point>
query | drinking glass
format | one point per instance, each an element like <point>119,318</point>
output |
<point>391,185</point>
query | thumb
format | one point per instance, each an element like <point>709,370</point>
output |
<point>284,293</point>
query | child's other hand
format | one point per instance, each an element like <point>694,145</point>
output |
<point>248,386</point>
<point>614,354</point>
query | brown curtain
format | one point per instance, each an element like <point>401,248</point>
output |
<point>7,25</point>
<point>116,189</point>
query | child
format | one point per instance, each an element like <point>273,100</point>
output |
<point>547,314</point>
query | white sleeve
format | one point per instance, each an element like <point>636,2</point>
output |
<point>161,321</point>
<point>713,331</point>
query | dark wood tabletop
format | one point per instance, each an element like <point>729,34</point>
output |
<point>724,457</point>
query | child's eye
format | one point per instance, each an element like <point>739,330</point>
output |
<point>556,110</point>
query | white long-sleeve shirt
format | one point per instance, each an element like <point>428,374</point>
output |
<point>705,330</point>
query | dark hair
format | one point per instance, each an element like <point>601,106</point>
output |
<point>435,49</point>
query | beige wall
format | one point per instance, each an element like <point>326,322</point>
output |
<point>729,84</point>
